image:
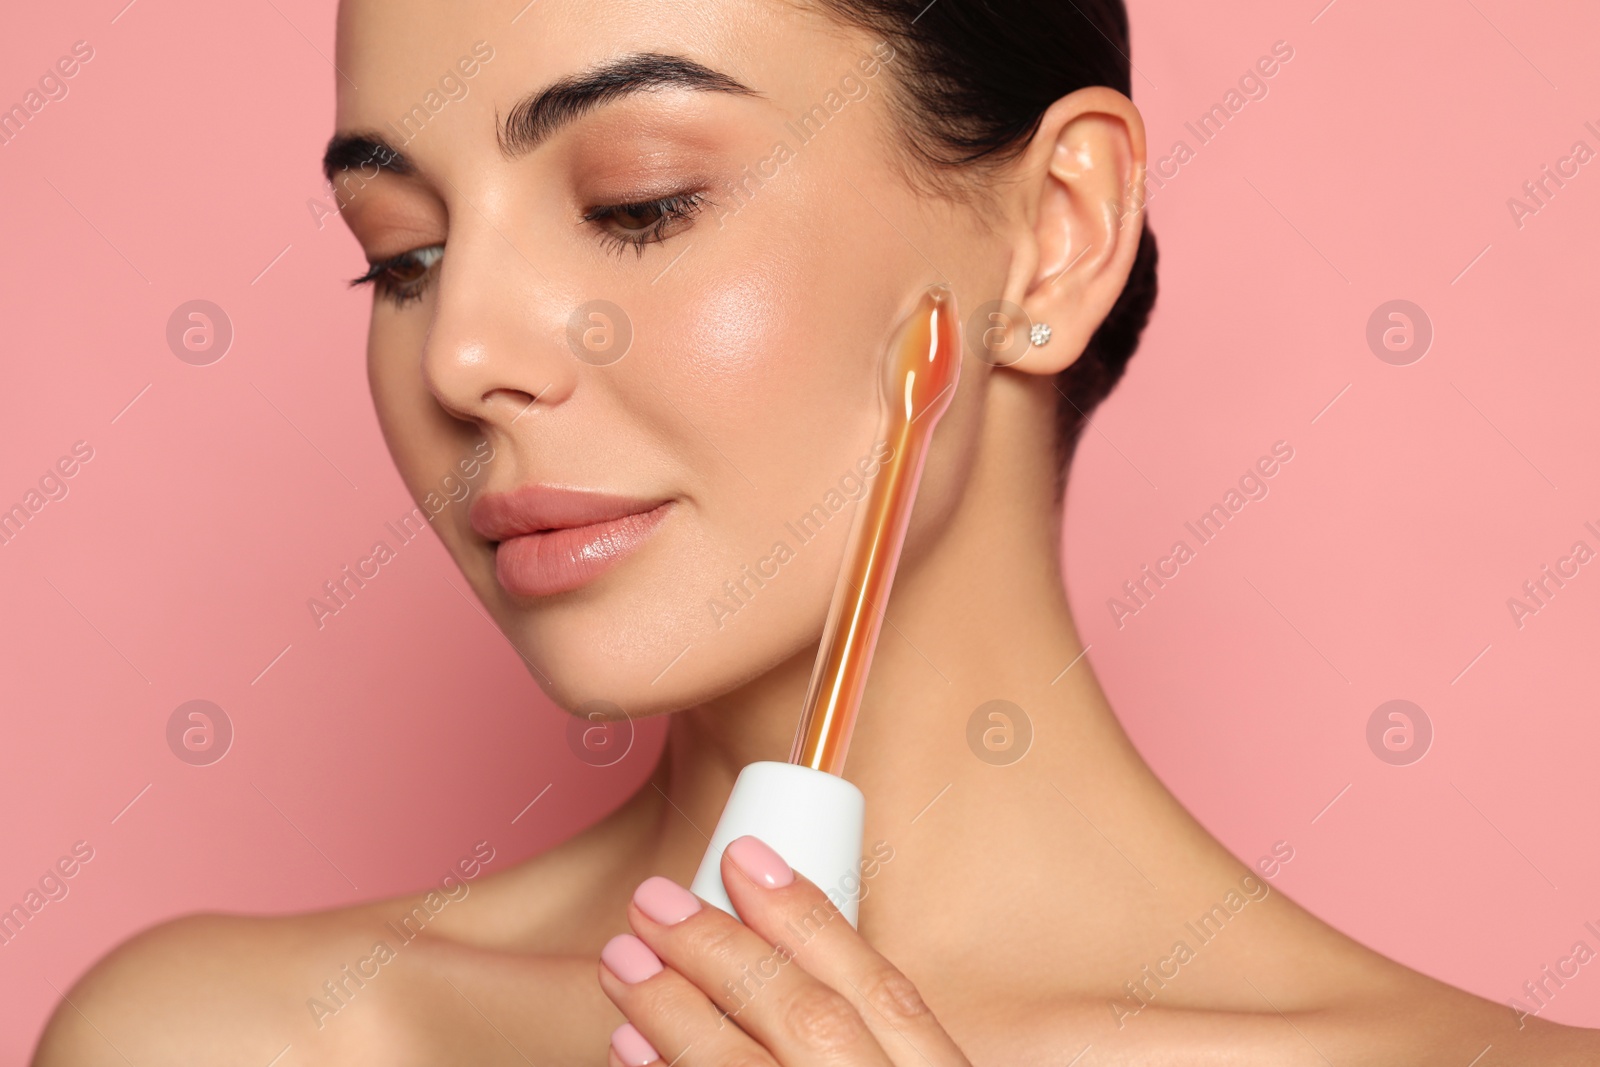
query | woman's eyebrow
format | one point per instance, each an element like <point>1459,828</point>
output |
<point>537,116</point>
<point>540,114</point>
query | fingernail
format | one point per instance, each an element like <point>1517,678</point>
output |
<point>630,959</point>
<point>756,859</point>
<point>665,901</point>
<point>631,1047</point>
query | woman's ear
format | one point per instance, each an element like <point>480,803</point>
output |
<point>1082,184</point>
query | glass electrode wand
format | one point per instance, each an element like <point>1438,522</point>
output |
<point>812,817</point>
<point>918,381</point>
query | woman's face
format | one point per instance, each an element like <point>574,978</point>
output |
<point>656,300</point>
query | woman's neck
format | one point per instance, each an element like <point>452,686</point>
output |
<point>979,616</point>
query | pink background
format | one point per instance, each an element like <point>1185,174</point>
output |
<point>372,754</point>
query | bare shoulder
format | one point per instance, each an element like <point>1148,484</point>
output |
<point>1283,993</point>
<point>1389,1014</point>
<point>1433,1021</point>
<point>1342,1001</point>
<point>208,988</point>
<point>1386,1012</point>
<point>367,985</point>
<point>387,982</point>
<point>1440,1028</point>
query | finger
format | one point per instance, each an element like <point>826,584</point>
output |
<point>788,909</point>
<point>669,1020</point>
<point>628,1037</point>
<point>796,1018</point>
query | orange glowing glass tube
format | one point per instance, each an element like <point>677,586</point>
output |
<point>919,378</point>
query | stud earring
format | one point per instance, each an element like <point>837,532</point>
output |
<point>1039,334</point>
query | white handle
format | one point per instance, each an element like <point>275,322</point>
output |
<point>812,819</point>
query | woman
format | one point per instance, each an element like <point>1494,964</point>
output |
<point>679,237</point>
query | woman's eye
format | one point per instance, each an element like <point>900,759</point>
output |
<point>405,277</point>
<point>624,226</point>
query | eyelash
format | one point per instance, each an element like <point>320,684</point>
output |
<point>383,275</point>
<point>386,275</point>
<point>680,207</point>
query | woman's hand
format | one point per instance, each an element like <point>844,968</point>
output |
<point>800,986</point>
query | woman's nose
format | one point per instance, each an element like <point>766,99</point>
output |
<point>498,341</point>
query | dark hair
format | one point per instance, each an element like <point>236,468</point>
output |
<point>976,77</point>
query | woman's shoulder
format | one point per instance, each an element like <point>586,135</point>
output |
<point>372,982</point>
<point>1443,1027</point>
<point>207,987</point>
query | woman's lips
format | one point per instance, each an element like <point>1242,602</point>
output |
<point>553,540</point>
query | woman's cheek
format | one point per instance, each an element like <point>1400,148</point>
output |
<point>421,438</point>
<point>739,341</point>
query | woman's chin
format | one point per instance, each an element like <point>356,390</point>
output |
<point>653,665</point>
<point>583,659</point>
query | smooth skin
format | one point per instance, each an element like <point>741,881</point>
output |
<point>1019,900</point>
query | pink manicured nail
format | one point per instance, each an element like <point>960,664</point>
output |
<point>631,1047</point>
<point>630,959</point>
<point>665,901</point>
<point>764,866</point>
